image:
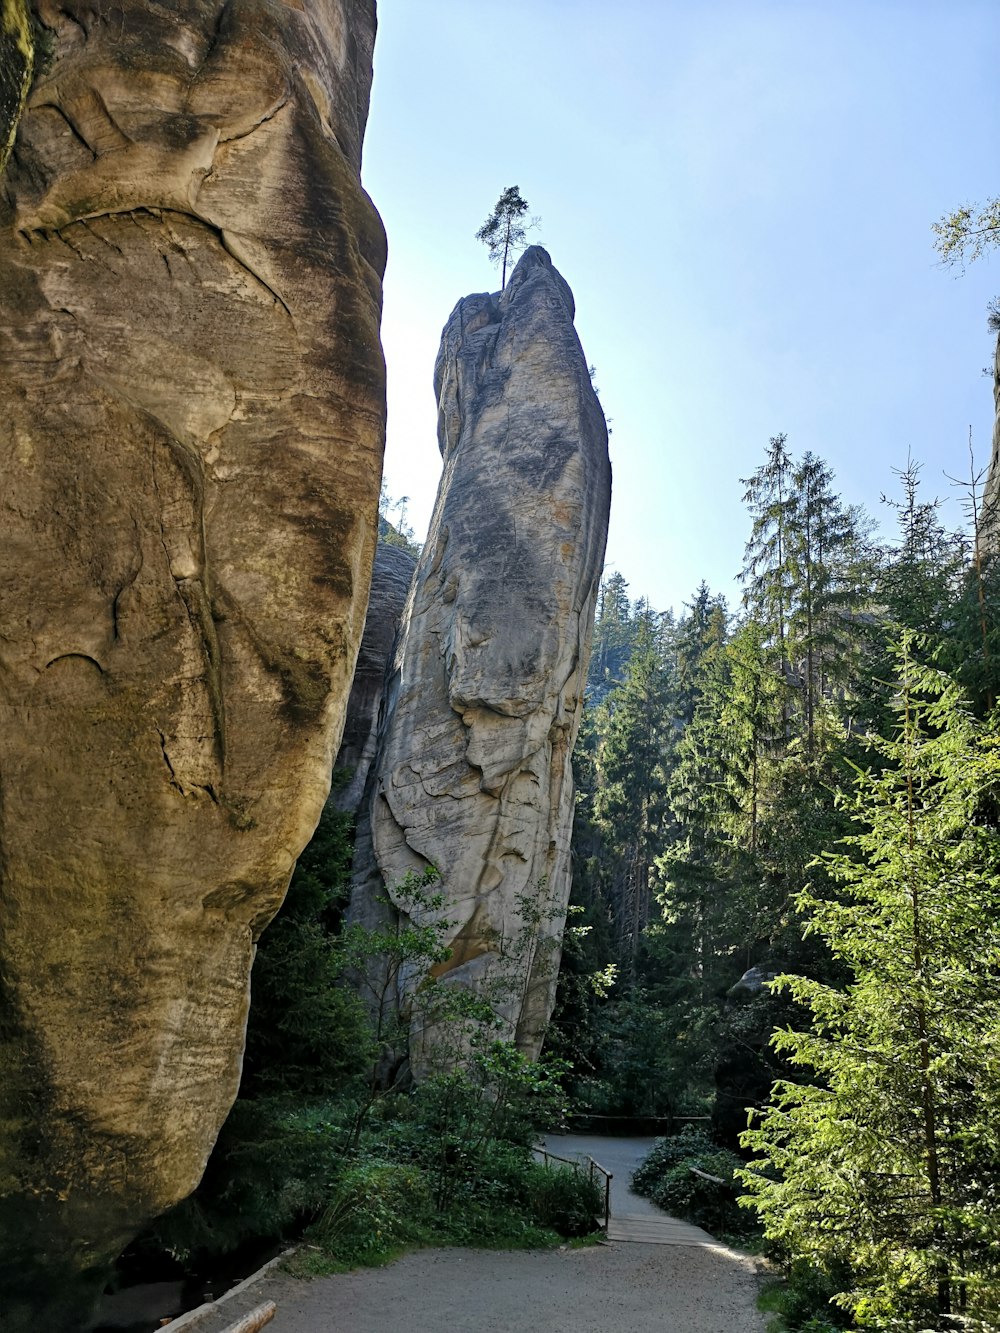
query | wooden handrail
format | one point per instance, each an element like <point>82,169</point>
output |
<point>703,1175</point>
<point>576,1163</point>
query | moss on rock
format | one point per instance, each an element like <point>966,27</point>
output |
<point>17,62</point>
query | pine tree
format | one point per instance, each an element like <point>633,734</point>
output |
<point>503,232</point>
<point>807,575</point>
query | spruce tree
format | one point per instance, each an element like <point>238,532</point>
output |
<point>887,1162</point>
<point>637,732</point>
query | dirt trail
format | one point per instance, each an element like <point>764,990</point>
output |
<point>617,1287</point>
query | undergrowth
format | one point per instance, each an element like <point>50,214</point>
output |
<point>319,1147</point>
<point>667,1177</point>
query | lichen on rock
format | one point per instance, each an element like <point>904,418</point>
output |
<point>17,63</point>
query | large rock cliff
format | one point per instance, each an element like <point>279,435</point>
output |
<point>989,522</point>
<point>191,435</point>
<point>392,575</point>
<point>473,773</point>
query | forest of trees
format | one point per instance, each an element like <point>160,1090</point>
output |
<point>786,859</point>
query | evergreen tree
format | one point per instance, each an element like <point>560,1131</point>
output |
<point>767,567</point>
<point>503,232</point>
<point>826,554</point>
<point>637,730</point>
<point>807,574</point>
<point>887,1164</point>
<point>614,633</point>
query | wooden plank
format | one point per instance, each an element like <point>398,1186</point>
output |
<point>657,1231</point>
<point>256,1319</point>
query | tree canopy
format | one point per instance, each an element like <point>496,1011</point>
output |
<point>504,232</point>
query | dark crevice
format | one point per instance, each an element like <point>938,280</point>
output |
<point>166,760</point>
<point>80,657</point>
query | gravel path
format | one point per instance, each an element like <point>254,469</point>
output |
<point>616,1288</point>
<point>609,1288</point>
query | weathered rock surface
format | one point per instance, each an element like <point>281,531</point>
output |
<point>392,575</point>
<point>473,773</point>
<point>191,434</point>
<point>17,60</point>
<point>989,525</point>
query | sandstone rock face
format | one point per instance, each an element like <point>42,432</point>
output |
<point>392,575</point>
<point>989,526</point>
<point>482,708</point>
<point>191,431</point>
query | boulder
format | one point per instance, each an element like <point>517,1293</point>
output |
<point>751,984</point>
<point>191,434</point>
<point>483,702</point>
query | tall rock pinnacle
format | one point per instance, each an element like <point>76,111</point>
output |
<point>191,434</point>
<point>989,521</point>
<point>473,773</point>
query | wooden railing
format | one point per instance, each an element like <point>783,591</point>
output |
<point>593,1169</point>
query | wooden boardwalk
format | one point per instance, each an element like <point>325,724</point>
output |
<point>662,1230</point>
<point>633,1218</point>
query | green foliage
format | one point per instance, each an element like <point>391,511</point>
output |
<point>453,1120</point>
<point>373,1206</point>
<point>503,233</point>
<point>967,233</point>
<point>307,1034</point>
<point>641,1070</point>
<point>690,1145</point>
<point>887,1163</point>
<point>667,1176</point>
<point>271,1170</point>
<point>393,528</point>
<point>629,806</point>
<point>379,1206</point>
<point>614,634</point>
<point>802,1299</point>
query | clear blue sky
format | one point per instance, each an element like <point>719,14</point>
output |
<point>741,196</point>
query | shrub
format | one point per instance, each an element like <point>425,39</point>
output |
<point>687,1146</point>
<point>801,1299</point>
<point>270,1171</point>
<point>374,1206</point>
<point>566,1200</point>
<point>666,1177</point>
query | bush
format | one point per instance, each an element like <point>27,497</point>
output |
<point>374,1206</point>
<point>690,1145</point>
<point>666,1177</point>
<point>566,1200</point>
<point>270,1171</point>
<point>802,1299</point>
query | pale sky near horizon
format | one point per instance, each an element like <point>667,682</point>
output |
<point>741,196</point>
